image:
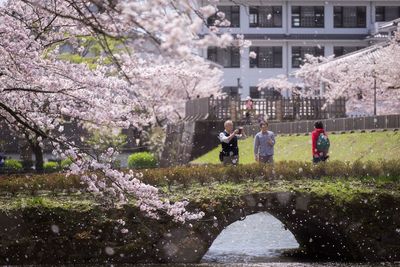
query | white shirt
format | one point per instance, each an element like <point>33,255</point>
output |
<point>223,138</point>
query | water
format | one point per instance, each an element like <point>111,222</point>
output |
<point>258,238</point>
<point>276,264</point>
<point>258,241</point>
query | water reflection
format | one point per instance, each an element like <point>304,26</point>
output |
<point>258,238</point>
<point>281,264</point>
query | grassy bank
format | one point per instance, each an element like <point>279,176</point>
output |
<point>345,147</point>
<point>185,176</point>
<point>342,190</point>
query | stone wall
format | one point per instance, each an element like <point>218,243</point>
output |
<point>364,229</point>
<point>188,140</point>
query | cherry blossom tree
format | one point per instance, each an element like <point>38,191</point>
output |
<point>355,77</point>
<point>280,84</point>
<point>153,69</point>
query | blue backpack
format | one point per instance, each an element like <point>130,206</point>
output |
<point>323,143</point>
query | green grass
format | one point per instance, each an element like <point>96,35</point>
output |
<point>342,190</point>
<point>344,147</point>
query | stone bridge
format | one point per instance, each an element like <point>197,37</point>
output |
<point>366,228</point>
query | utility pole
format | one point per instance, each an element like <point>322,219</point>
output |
<point>374,75</point>
<point>374,95</point>
<point>239,86</point>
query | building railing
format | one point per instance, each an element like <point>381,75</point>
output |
<point>273,108</point>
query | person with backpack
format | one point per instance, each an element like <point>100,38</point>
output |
<point>229,142</point>
<point>320,143</point>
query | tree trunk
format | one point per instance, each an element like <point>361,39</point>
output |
<point>37,150</point>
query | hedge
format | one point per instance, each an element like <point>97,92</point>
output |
<point>142,160</point>
<point>207,174</point>
<point>290,170</point>
<point>65,163</point>
<point>13,165</point>
<point>51,166</point>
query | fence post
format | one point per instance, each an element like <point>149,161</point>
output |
<point>278,109</point>
<point>232,108</point>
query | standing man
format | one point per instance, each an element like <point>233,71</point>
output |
<point>264,142</point>
<point>229,141</point>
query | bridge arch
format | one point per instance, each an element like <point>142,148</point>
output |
<point>323,227</point>
<point>259,236</point>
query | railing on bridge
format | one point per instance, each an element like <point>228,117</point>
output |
<point>274,108</point>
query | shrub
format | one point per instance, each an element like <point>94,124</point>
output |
<point>142,160</point>
<point>368,169</point>
<point>288,170</point>
<point>13,165</point>
<point>65,163</point>
<point>337,169</point>
<point>185,176</point>
<point>391,169</point>
<point>51,166</point>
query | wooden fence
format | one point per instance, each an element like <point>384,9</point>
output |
<point>272,108</point>
<point>332,125</point>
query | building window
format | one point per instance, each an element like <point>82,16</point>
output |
<point>350,17</point>
<point>227,57</point>
<point>232,14</point>
<point>267,57</point>
<point>299,52</point>
<point>387,13</point>
<point>230,90</point>
<point>265,16</point>
<point>308,16</point>
<point>343,50</point>
<point>264,93</point>
<point>254,93</point>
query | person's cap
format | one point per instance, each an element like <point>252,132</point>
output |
<point>248,98</point>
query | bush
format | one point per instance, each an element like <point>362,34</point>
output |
<point>13,165</point>
<point>142,160</point>
<point>391,169</point>
<point>289,170</point>
<point>51,166</point>
<point>55,182</point>
<point>65,163</point>
<point>185,176</point>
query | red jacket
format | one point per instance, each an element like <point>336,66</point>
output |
<point>314,137</point>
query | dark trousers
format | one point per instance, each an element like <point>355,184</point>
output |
<point>266,159</point>
<point>231,160</point>
<point>320,159</point>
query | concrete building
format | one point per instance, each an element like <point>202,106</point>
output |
<point>282,32</point>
